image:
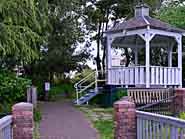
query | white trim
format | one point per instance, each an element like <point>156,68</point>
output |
<point>179,42</point>
<point>147,58</point>
<point>127,33</point>
<point>165,33</point>
<point>162,45</point>
<point>109,54</point>
<point>170,49</point>
<point>136,56</point>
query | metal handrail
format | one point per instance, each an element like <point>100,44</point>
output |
<point>76,85</point>
<point>81,88</point>
<point>88,86</point>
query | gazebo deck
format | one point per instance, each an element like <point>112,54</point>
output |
<point>160,76</point>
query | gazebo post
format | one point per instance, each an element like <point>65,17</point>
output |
<point>136,56</point>
<point>170,47</point>
<point>179,42</point>
<point>147,58</point>
<point>109,55</point>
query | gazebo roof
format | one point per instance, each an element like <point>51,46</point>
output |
<point>142,20</point>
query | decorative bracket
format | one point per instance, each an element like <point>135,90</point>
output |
<point>147,36</point>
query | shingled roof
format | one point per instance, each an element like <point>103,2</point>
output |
<point>142,20</point>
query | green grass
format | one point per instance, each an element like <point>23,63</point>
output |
<point>102,120</point>
<point>37,120</point>
<point>105,128</point>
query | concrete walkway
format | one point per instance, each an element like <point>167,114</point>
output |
<point>60,120</point>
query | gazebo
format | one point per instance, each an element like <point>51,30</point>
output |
<point>145,32</point>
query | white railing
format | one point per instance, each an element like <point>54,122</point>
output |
<point>155,126</point>
<point>127,75</point>
<point>6,127</point>
<point>137,75</point>
<point>164,75</point>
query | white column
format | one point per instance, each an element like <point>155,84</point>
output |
<point>109,54</point>
<point>170,55</point>
<point>179,42</point>
<point>109,58</point>
<point>147,59</point>
<point>136,56</point>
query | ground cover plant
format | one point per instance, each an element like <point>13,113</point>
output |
<point>102,120</point>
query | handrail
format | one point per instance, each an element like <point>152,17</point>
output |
<point>91,84</point>
<point>161,118</point>
<point>5,121</point>
<point>84,79</point>
<point>80,88</point>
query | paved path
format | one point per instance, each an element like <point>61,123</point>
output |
<point>60,120</point>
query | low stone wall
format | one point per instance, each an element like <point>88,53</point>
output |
<point>125,119</point>
<point>23,123</point>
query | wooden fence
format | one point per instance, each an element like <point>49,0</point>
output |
<point>6,127</point>
<point>149,96</point>
<point>163,107</point>
<point>155,126</point>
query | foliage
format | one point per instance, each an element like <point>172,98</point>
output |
<point>66,35</point>
<point>182,115</point>
<point>105,128</point>
<point>119,94</point>
<point>173,15</point>
<point>37,115</point>
<point>37,118</point>
<point>60,55</point>
<point>65,90</point>
<point>23,24</point>
<point>84,73</point>
<point>12,90</point>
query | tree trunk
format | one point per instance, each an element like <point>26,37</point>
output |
<point>98,60</point>
<point>105,44</point>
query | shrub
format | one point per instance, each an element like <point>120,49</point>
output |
<point>12,90</point>
<point>120,93</point>
<point>182,115</point>
<point>37,115</point>
<point>65,89</point>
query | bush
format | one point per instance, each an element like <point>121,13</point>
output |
<point>120,93</point>
<point>65,90</point>
<point>12,90</point>
<point>182,115</point>
<point>37,115</point>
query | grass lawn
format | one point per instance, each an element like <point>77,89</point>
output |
<point>102,120</point>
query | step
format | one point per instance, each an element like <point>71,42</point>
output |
<point>86,98</point>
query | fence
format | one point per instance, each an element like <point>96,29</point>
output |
<point>131,123</point>
<point>6,127</point>
<point>163,107</point>
<point>149,96</point>
<point>155,126</point>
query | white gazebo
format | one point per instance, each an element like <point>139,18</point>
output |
<point>139,32</point>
